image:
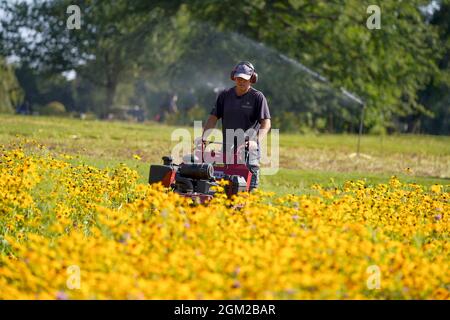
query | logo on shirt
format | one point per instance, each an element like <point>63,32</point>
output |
<point>247,105</point>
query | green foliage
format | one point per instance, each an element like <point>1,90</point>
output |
<point>116,40</point>
<point>133,52</point>
<point>54,108</point>
<point>186,117</point>
<point>386,67</point>
<point>42,88</point>
<point>378,130</point>
<point>11,94</point>
<point>195,114</point>
<point>293,122</point>
<point>436,95</point>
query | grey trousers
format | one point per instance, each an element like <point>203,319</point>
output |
<point>253,165</point>
<point>255,176</point>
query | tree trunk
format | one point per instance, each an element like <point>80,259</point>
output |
<point>111,84</point>
<point>330,122</point>
<point>111,87</point>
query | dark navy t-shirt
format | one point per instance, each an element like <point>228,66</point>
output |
<point>240,112</point>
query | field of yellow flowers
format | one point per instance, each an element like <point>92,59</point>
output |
<point>73,231</point>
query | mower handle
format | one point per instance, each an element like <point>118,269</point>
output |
<point>228,144</point>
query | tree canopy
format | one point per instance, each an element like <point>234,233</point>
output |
<point>152,48</point>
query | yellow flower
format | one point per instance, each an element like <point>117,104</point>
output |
<point>408,171</point>
<point>436,188</point>
<point>61,221</point>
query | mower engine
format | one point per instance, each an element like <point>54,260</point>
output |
<point>195,180</point>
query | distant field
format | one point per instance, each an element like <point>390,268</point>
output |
<point>304,159</point>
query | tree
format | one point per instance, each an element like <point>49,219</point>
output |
<point>157,41</point>
<point>113,44</point>
<point>436,95</point>
<point>11,94</point>
<point>42,88</point>
<point>386,67</point>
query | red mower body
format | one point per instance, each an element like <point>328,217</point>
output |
<point>196,178</point>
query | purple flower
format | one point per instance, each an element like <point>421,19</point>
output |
<point>290,291</point>
<point>61,295</point>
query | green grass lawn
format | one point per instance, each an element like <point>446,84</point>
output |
<point>304,159</point>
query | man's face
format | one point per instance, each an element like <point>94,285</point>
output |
<point>242,84</point>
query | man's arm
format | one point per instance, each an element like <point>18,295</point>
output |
<point>264,128</point>
<point>262,132</point>
<point>210,124</point>
<point>263,116</point>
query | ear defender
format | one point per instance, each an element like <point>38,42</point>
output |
<point>232,74</point>
<point>254,77</point>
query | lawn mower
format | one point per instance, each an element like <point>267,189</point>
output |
<point>199,172</point>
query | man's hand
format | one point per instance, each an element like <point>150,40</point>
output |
<point>210,124</point>
<point>198,142</point>
<point>251,145</point>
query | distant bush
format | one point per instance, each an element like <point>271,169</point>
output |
<point>196,113</point>
<point>378,129</point>
<point>87,116</point>
<point>289,121</point>
<point>54,108</point>
<point>186,117</point>
<point>173,119</point>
